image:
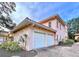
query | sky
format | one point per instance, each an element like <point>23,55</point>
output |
<point>41,10</point>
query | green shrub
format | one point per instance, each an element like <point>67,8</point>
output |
<point>10,46</point>
<point>69,42</point>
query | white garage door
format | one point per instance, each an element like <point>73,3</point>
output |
<point>40,39</point>
<point>50,40</point>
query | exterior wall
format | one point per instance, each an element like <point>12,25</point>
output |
<point>66,32</point>
<point>77,37</point>
<point>20,33</point>
<point>29,31</point>
<point>2,39</point>
<point>61,32</point>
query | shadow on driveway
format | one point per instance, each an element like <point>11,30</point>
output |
<point>4,53</point>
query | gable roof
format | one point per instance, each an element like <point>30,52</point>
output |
<point>27,22</point>
<point>53,18</point>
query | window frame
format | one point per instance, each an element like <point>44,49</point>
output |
<point>60,26</point>
<point>49,24</point>
<point>57,23</point>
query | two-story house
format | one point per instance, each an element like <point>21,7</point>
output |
<point>57,24</point>
<point>33,35</point>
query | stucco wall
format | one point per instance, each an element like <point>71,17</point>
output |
<point>20,33</point>
<point>29,31</point>
<point>62,33</point>
<point>2,39</point>
<point>77,37</point>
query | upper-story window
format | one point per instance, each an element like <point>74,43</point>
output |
<point>60,26</point>
<point>57,37</point>
<point>57,24</point>
<point>49,24</point>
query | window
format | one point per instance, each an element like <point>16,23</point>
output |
<point>60,26</point>
<point>57,37</point>
<point>21,39</point>
<point>49,24</point>
<point>12,38</point>
<point>25,35</point>
<point>60,38</point>
<point>57,24</point>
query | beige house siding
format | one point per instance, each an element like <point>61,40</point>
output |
<point>2,39</point>
<point>61,32</point>
<point>77,36</point>
<point>53,23</point>
<point>20,33</point>
<point>34,30</point>
<point>30,32</point>
<point>4,36</point>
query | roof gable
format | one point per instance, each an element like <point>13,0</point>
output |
<point>52,18</point>
<point>28,21</point>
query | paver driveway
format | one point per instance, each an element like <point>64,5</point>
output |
<point>58,51</point>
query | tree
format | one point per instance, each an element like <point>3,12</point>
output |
<point>7,7</point>
<point>73,27</point>
<point>7,22</point>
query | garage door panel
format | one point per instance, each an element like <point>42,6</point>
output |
<point>39,43</point>
<point>50,40</point>
<point>39,40</point>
